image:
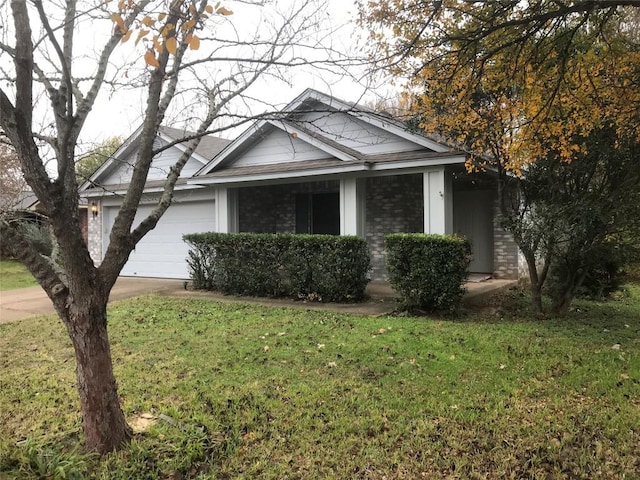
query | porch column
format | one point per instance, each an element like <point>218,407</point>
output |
<point>226,210</point>
<point>438,201</point>
<point>352,206</point>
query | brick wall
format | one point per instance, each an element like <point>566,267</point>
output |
<point>505,251</point>
<point>394,205</point>
<point>94,235</point>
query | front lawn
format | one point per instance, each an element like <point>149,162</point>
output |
<point>242,391</point>
<point>14,275</point>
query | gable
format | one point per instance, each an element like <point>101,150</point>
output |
<point>277,146</point>
<point>352,132</point>
<point>160,166</point>
<point>317,127</point>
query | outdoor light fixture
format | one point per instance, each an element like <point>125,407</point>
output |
<point>94,209</point>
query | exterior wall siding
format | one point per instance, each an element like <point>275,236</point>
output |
<point>394,205</point>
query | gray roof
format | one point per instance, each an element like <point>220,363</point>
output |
<point>208,147</point>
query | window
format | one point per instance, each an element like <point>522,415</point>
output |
<point>318,213</point>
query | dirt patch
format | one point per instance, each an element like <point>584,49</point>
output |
<point>141,423</point>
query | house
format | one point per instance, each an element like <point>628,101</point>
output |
<point>321,166</point>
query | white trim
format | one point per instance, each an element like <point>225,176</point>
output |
<point>427,162</point>
<point>348,207</point>
<point>153,198</point>
<point>104,190</point>
<point>387,168</point>
<point>316,172</point>
<point>226,206</point>
<point>352,206</point>
<point>434,195</point>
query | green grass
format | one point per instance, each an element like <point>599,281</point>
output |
<point>14,275</point>
<point>336,396</point>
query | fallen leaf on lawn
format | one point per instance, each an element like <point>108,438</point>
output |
<point>266,348</point>
<point>502,366</point>
<point>320,346</point>
<point>617,346</point>
<point>332,364</point>
<point>281,334</point>
<point>382,331</point>
<point>624,376</point>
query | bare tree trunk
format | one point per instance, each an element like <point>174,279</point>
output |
<point>562,299</point>
<point>104,423</point>
<point>534,281</point>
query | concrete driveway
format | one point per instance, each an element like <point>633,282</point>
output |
<point>27,302</point>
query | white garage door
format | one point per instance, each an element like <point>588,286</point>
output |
<point>162,253</point>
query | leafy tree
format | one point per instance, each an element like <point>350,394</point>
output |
<point>573,210</point>
<point>516,83</point>
<point>90,162</point>
<point>195,53</point>
<point>580,58</point>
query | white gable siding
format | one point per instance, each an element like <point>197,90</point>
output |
<point>158,171</point>
<point>123,170</point>
<point>356,134</point>
<point>279,147</point>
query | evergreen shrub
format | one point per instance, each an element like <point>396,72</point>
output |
<point>325,268</point>
<point>428,271</point>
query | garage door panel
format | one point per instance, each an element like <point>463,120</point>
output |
<point>162,252</point>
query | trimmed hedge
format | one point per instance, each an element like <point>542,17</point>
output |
<point>325,268</point>
<point>428,271</point>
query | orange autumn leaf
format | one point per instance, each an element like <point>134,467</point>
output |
<point>172,45</point>
<point>224,11</point>
<point>194,43</point>
<point>117,19</point>
<point>151,59</point>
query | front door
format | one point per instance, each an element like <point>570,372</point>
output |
<point>473,218</point>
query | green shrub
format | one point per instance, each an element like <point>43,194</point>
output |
<point>428,271</point>
<point>326,268</point>
<point>604,275</point>
<point>36,234</point>
<point>39,236</point>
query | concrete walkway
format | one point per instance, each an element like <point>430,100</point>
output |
<point>28,302</point>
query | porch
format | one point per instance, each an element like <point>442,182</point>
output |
<point>436,200</point>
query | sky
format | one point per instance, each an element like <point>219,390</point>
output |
<point>118,111</point>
